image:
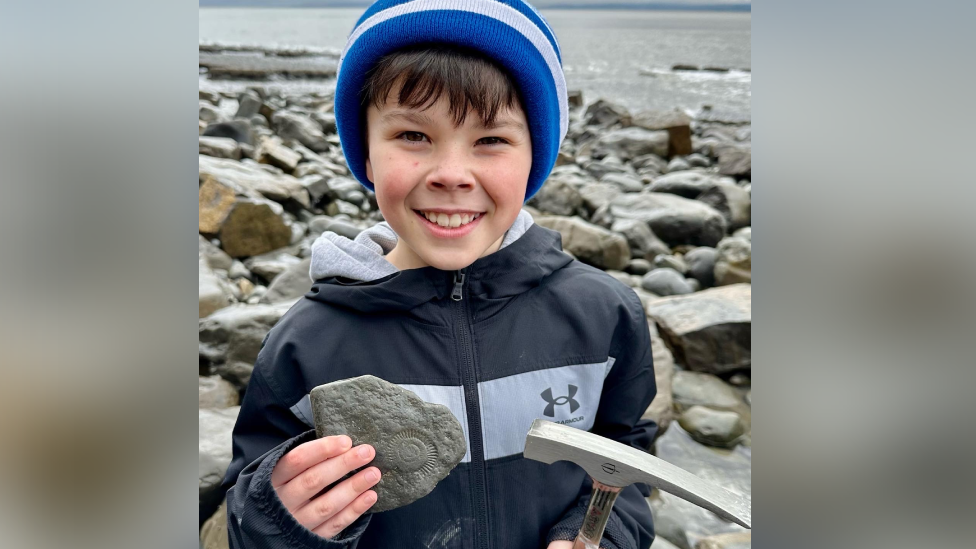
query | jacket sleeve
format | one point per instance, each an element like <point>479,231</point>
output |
<point>266,429</point>
<point>628,391</point>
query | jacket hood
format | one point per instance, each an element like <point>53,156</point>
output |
<point>354,273</point>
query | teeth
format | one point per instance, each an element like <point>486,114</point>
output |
<point>454,220</point>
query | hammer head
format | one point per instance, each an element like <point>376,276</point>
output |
<point>549,442</point>
<point>618,465</point>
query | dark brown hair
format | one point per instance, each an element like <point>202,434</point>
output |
<point>426,72</point>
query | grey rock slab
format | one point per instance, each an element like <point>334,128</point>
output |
<point>627,183</point>
<point>216,392</point>
<point>303,129</point>
<point>221,147</point>
<point>230,338</point>
<point>417,443</point>
<point>733,263</point>
<point>708,331</point>
<point>732,201</point>
<point>701,265</point>
<point>558,197</point>
<point>685,524</point>
<point>671,262</point>
<point>666,281</point>
<point>638,266</point>
<point>642,240</point>
<point>688,184</point>
<point>589,243</point>
<point>701,389</point>
<point>731,540</point>
<point>292,283</point>
<point>629,143</point>
<point>215,428</point>
<point>253,178</point>
<point>719,428</point>
<point>673,219</point>
<point>661,409</point>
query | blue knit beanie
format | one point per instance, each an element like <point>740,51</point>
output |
<point>510,32</point>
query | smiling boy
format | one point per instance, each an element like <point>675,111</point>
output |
<point>452,111</point>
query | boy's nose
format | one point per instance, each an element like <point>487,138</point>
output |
<point>451,172</point>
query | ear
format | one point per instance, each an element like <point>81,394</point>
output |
<point>369,171</point>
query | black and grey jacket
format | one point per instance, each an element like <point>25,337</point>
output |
<point>523,333</point>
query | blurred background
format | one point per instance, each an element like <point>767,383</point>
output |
<point>864,310</point>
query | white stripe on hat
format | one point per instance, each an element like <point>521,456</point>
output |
<point>490,8</point>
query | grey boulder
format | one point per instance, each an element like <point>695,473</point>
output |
<point>674,219</point>
<point>666,281</point>
<point>417,444</point>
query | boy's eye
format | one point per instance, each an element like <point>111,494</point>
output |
<point>492,140</point>
<point>415,137</point>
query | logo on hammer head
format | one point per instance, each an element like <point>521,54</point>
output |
<point>553,402</point>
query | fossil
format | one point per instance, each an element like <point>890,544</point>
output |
<point>417,443</point>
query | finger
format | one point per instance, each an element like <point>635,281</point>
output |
<point>331,504</point>
<point>347,516</point>
<point>300,458</point>
<point>298,491</point>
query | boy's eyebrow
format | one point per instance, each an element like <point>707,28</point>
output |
<point>409,116</point>
<point>505,123</point>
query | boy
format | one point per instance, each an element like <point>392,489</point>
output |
<point>452,112</point>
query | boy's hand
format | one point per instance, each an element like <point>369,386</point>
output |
<point>559,544</point>
<point>304,471</point>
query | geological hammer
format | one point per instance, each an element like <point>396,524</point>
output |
<point>612,466</point>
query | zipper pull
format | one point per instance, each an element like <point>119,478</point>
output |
<point>458,281</point>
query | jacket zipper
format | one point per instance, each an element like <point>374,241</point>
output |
<point>473,408</point>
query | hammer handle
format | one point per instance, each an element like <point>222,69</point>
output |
<point>597,514</point>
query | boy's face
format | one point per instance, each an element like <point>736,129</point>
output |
<point>420,163</point>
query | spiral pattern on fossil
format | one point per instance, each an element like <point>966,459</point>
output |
<point>413,452</point>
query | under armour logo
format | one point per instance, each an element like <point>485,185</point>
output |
<point>553,402</point>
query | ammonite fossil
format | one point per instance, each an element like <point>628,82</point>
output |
<point>417,443</point>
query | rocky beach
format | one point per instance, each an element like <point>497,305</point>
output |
<point>659,199</point>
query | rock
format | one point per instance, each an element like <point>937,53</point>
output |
<point>215,392</point>
<point>687,184</point>
<point>339,207</point>
<point>671,262</point>
<point>215,427</point>
<point>732,201</point>
<point>212,97</point>
<point>590,243</point>
<point>597,195</point>
<point>701,265</point>
<point>209,113</point>
<point>696,160</point>
<point>214,257</point>
<point>301,128</point>
<point>293,282</point>
<point>213,534</point>
<point>744,232</point>
<point>326,120</point>
<point>214,293</point>
<point>674,219</point>
<point>608,165</point>
<point>238,270</point>
<point>272,264</point>
<point>683,523</point>
<point>658,543</point>
<point>733,263</point>
<point>575,98</point>
<point>708,331</point>
<point>736,161</point>
<point>721,429</point>
<point>677,124</point>
<point>678,164</point>
<point>701,389</point>
<point>732,540</point>
<point>249,104</point>
<point>558,197</point>
<point>221,147</point>
<point>238,130</point>
<point>661,409</point>
<point>417,444</point>
<point>643,243</point>
<point>651,162</point>
<point>624,278</point>
<point>627,183</point>
<point>665,281</point>
<point>629,143</point>
<point>252,227</point>
<point>272,151</point>
<point>638,266</point>
<point>342,228</point>
<point>248,178</point>
<point>231,338</point>
<point>605,113</point>
<point>684,67</point>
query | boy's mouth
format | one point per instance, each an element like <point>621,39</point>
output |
<point>451,221</point>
